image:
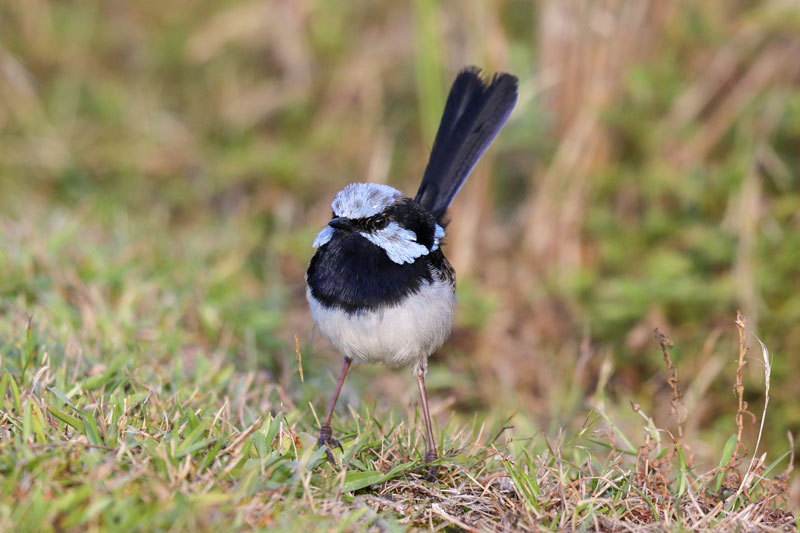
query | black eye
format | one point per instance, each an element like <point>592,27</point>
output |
<point>379,222</point>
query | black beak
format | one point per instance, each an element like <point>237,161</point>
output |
<point>341,223</point>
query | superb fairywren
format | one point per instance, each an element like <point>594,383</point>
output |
<point>379,287</point>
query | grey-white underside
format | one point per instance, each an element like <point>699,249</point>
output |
<point>400,335</point>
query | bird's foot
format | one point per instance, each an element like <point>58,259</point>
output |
<point>433,470</point>
<point>326,439</point>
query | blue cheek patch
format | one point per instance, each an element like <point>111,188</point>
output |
<point>399,243</point>
<point>437,236</point>
<point>323,237</point>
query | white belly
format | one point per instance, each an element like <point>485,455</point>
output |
<point>407,333</point>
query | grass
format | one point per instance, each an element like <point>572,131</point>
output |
<point>140,445</point>
<point>134,416</point>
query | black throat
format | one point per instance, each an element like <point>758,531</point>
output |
<point>352,274</point>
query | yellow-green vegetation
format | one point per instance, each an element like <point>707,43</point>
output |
<point>165,166</point>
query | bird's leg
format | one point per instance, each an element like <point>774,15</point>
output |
<point>431,455</point>
<point>325,435</point>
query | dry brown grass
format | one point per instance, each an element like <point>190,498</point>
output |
<point>661,489</point>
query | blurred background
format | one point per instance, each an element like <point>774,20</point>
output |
<point>165,166</point>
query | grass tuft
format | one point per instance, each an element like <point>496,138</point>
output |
<point>121,446</point>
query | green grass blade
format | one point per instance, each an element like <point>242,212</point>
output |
<point>724,460</point>
<point>68,419</point>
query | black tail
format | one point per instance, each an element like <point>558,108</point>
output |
<point>473,116</point>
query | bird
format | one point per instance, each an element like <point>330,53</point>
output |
<point>379,287</point>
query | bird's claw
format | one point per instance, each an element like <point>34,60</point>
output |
<point>326,439</point>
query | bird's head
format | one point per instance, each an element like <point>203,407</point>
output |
<point>398,225</point>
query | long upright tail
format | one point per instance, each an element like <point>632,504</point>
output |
<point>473,116</point>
